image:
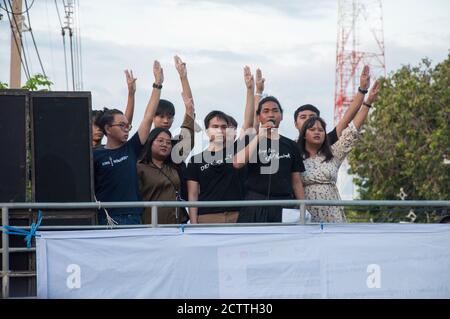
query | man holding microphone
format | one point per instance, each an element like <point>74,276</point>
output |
<point>274,165</point>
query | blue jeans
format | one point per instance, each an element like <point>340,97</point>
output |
<point>121,219</point>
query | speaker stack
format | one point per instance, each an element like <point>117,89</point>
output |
<point>46,156</point>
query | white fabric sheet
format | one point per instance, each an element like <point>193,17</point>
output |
<point>340,261</point>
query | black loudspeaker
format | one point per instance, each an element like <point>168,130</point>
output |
<point>61,146</point>
<point>13,145</point>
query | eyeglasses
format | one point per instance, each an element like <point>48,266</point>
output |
<point>162,142</point>
<point>123,126</point>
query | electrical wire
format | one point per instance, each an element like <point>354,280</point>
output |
<point>71,58</point>
<point>65,58</point>
<point>32,37</point>
<point>23,61</point>
<point>26,53</point>
<point>59,16</point>
<point>18,14</point>
<point>79,46</point>
<point>63,33</point>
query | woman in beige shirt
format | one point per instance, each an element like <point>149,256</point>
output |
<point>160,179</point>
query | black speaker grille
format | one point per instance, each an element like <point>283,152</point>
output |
<point>13,148</point>
<point>62,148</point>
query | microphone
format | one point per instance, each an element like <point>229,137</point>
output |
<point>272,120</point>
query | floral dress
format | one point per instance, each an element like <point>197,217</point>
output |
<point>319,178</point>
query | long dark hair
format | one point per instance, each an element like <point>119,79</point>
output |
<point>147,153</point>
<point>325,149</point>
<point>146,158</point>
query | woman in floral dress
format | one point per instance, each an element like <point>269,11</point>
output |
<point>322,162</point>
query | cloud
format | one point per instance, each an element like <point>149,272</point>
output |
<point>294,42</point>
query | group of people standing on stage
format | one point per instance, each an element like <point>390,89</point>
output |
<point>259,164</point>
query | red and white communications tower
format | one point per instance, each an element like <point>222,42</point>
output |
<point>360,41</point>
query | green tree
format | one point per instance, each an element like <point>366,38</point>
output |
<point>407,137</point>
<point>36,81</point>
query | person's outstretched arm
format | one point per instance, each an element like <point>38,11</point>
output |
<point>259,82</point>
<point>146,124</point>
<point>182,72</point>
<point>131,84</point>
<point>249,105</point>
<point>364,83</point>
<point>361,116</point>
<point>185,86</point>
<point>243,156</point>
<point>187,127</point>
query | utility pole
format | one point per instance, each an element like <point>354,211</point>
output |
<point>16,47</point>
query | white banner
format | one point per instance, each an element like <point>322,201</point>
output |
<point>340,261</point>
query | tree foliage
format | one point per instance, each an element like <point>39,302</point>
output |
<point>38,81</point>
<point>407,137</point>
<point>34,83</point>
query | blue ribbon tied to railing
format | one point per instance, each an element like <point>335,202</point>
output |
<point>11,230</point>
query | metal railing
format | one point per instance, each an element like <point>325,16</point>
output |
<point>6,274</point>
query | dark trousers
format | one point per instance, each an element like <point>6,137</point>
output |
<point>261,214</point>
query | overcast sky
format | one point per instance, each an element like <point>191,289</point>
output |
<point>294,42</point>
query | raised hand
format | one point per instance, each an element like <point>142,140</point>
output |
<point>373,93</point>
<point>188,102</point>
<point>180,66</point>
<point>364,80</point>
<point>158,73</point>
<point>259,81</point>
<point>131,81</point>
<point>248,78</point>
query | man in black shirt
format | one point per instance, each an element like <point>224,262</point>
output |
<point>274,165</point>
<point>306,111</point>
<point>210,174</point>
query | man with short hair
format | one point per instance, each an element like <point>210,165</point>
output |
<point>115,165</point>
<point>304,112</point>
<point>275,172</point>
<point>210,174</point>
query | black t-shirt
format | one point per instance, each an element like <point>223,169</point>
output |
<point>332,137</point>
<point>274,181</point>
<point>116,175</point>
<point>217,178</point>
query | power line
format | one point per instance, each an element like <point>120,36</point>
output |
<point>63,33</point>
<point>32,37</point>
<point>52,68</point>
<point>26,53</point>
<point>65,58</point>
<point>79,41</point>
<point>24,60</point>
<point>59,16</point>
<point>71,59</point>
<point>78,62</point>
<point>14,13</point>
